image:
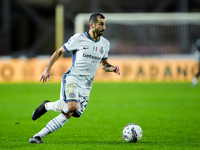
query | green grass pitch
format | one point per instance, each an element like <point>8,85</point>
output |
<point>169,114</point>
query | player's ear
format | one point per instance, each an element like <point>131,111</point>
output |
<point>91,25</point>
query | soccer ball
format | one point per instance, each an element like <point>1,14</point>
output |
<point>132,133</point>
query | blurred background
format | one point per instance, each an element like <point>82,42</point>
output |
<point>27,27</point>
<point>163,28</point>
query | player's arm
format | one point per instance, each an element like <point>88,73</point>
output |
<point>108,67</point>
<point>47,71</point>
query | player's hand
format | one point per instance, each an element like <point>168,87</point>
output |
<point>116,70</point>
<point>45,75</point>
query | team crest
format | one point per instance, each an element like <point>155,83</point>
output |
<point>101,51</point>
<point>72,95</point>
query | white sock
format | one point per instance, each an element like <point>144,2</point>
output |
<point>52,125</point>
<point>58,106</point>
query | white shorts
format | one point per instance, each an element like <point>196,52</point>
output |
<point>71,92</point>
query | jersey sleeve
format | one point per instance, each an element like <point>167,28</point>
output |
<point>72,43</point>
<point>107,48</point>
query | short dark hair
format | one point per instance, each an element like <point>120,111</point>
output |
<point>94,17</point>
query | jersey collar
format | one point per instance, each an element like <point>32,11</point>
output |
<point>88,36</point>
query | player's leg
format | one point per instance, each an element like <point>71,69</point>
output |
<point>198,74</point>
<point>83,100</point>
<point>195,79</point>
<point>68,98</point>
<point>68,105</point>
<point>68,101</point>
<point>59,121</point>
<point>51,127</point>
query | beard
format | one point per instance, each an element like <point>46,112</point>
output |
<point>98,32</point>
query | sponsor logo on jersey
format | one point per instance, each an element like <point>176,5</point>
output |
<point>91,57</point>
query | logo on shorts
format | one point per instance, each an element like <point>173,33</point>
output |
<point>72,95</point>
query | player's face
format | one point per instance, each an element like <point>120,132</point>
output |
<point>100,26</point>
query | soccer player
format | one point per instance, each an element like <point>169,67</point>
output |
<point>89,50</point>
<point>195,79</point>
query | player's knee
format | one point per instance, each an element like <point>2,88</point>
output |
<point>72,106</point>
<point>68,116</point>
